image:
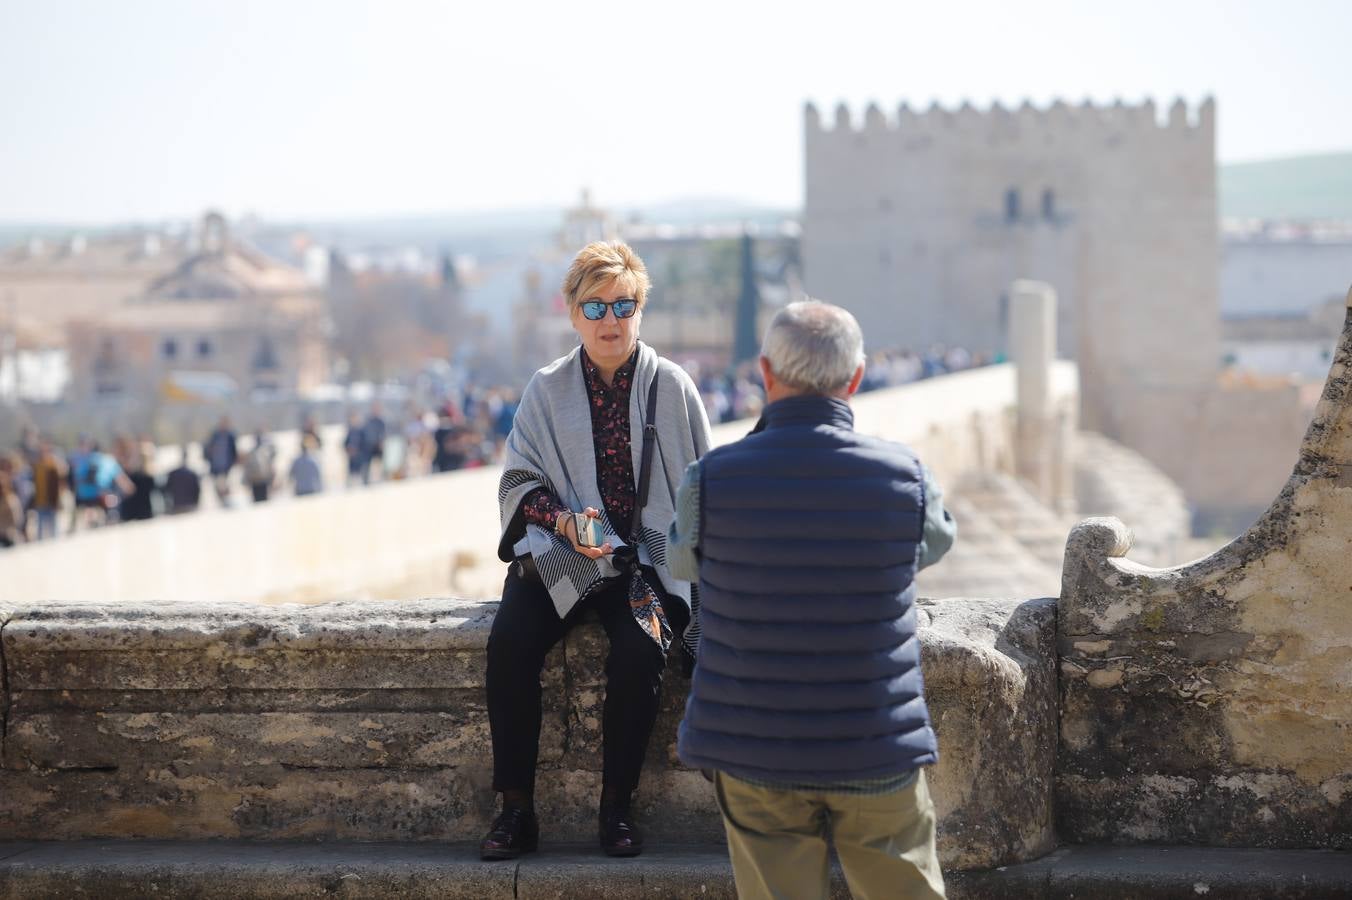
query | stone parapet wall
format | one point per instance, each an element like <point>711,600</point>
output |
<point>1212,703</point>
<point>334,544</point>
<point>366,721</point>
<point>343,544</point>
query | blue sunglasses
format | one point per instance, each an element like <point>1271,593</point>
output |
<point>595,310</point>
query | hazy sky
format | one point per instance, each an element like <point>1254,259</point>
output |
<point>159,108</point>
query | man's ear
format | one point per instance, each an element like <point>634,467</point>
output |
<point>767,373</point>
<point>853,386</point>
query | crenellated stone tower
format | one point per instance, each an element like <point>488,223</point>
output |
<point>919,222</point>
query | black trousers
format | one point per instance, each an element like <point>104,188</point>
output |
<point>524,631</point>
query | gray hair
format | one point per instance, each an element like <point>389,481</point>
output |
<point>813,346</point>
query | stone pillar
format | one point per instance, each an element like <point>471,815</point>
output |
<point>1032,333</point>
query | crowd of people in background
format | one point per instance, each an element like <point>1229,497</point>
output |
<point>738,393</point>
<point>47,490</point>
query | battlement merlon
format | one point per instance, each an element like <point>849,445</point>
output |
<point>1059,114</point>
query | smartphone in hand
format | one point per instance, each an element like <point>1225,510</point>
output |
<point>589,532</point>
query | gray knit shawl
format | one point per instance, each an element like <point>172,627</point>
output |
<point>551,446</point>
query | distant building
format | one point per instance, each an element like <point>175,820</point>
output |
<point>919,223</point>
<point>1296,345</point>
<point>1283,268</point>
<point>585,223</point>
<point>45,283</point>
<point>227,321</point>
<point>1283,285</point>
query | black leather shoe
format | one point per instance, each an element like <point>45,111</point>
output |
<point>619,835</point>
<point>514,832</point>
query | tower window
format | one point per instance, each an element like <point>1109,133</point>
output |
<point>1012,205</point>
<point>169,349</point>
<point>265,359</point>
<point>204,348</point>
<point>106,360</point>
<point>1048,204</point>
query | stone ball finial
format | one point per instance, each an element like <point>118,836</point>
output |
<point>1100,536</point>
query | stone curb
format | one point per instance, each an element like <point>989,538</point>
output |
<point>238,869</point>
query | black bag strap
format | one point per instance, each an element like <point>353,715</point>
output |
<point>645,467</point>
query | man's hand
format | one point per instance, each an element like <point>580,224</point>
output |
<point>569,530</point>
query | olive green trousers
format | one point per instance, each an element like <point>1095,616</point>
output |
<point>779,841</point>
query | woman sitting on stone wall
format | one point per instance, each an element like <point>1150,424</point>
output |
<point>574,457</point>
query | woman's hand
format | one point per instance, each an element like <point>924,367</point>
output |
<point>569,530</point>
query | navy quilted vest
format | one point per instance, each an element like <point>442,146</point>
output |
<point>809,664</point>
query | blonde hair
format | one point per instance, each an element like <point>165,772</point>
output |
<point>600,263</point>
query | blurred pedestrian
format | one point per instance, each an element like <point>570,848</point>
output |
<point>373,437</point>
<point>310,428</point>
<point>99,484</point>
<point>49,487</point>
<point>260,467</point>
<point>182,488</point>
<point>222,454</point>
<point>354,446</point>
<point>11,510</point>
<point>305,475</point>
<point>139,503</point>
<point>21,481</point>
<point>30,445</point>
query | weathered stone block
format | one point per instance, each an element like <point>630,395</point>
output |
<point>202,741</point>
<point>258,722</point>
<point>92,647</point>
<point>275,802</point>
<point>991,683</point>
<point>1212,703</point>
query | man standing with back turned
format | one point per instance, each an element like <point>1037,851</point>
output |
<point>807,701</point>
